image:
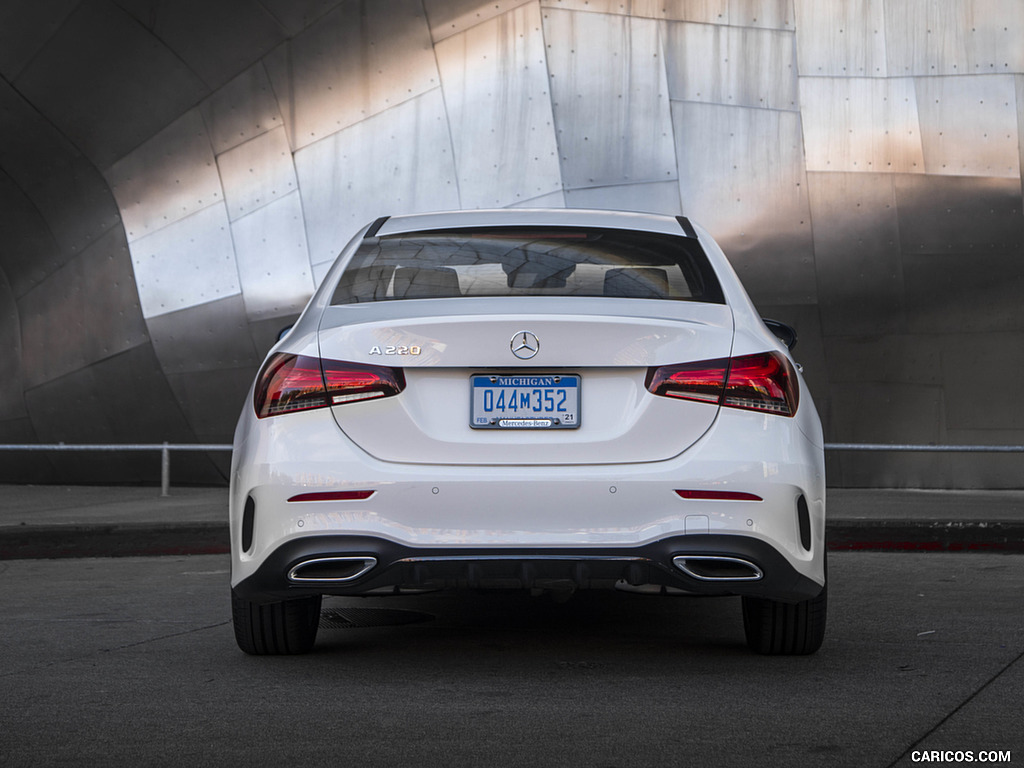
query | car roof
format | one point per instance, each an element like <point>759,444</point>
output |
<point>529,217</point>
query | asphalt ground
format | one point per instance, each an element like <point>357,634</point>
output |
<point>93,521</point>
<point>132,662</point>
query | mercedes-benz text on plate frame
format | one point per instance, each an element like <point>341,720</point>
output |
<point>541,400</point>
<point>524,345</point>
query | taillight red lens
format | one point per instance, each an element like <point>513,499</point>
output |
<point>290,383</point>
<point>763,382</point>
<point>349,382</point>
<point>701,381</point>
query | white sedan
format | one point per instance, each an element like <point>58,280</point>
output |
<point>545,400</point>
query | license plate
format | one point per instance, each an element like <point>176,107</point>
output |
<point>545,401</point>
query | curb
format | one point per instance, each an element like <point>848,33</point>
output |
<point>113,540</point>
<point>161,539</point>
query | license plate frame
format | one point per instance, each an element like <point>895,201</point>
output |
<point>557,394</point>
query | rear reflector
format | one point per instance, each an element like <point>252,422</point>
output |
<point>333,496</point>
<point>290,383</point>
<point>763,382</point>
<point>719,495</point>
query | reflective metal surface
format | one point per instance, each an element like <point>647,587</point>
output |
<point>864,125</point>
<point>257,173</point>
<point>399,161</point>
<point>735,66</point>
<point>187,263</point>
<point>241,110</point>
<point>745,181</point>
<point>273,261</point>
<point>361,59</point>
<point>75,303</point>
<point>610,99</point>
<point>495,85</point>
<point>176,178</point>
<point>167,179</point>
<point>106,82</point>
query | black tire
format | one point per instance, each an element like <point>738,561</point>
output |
<point>785,629</point>
<point>275,629</point>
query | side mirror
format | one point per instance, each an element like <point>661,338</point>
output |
<point>284,332</point>
<point>785,333</point>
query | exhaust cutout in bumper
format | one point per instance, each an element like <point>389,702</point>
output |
<point>717,568</point>
<point>335,570</point>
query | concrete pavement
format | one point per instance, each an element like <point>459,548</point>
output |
<point>45,521</point>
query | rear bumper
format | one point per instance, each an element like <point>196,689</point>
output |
<point>544,516</point>
<point>359,565</point>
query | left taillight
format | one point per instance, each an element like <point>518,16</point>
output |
<point>763,382</point>
<point>290,383</point>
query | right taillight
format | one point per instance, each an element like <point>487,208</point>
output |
<point>290,383</point>
<point>763,382</point>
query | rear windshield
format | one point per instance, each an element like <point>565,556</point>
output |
<point>528,262</point>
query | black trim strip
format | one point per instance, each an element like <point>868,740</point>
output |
<point>688,229</point>
<point>375,227</point>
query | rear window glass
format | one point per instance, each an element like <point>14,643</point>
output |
<point>528,262</point>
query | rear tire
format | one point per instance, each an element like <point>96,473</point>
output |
<point>785,629</point>
<point>273,629</point>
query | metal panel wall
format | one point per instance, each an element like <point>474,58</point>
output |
<point>358,61</point>
<point>843,39</point>
<point>233,34</point>
<point>257,173</point>
<point>661,196</point>
<point>273,261</point>
<point>495,83</point>
<point>741,174</point>
<point>207,337</point>
<point>241,110</point>
<point>860,161</point>
<point>295,17</point>
<point>12,385</point>
<point>397,162</point>
<point>188,263</point>
<point>610,99</point>
<point>731,65</point>
<point>167,179</point>
<point>106,83</point>
<point>66,321</point>
<point>861,124</point>
<point>451,17</point>
<point>767,14</point>
<point>965,37</point>
<point>857,253</point>
<point>969,125</point>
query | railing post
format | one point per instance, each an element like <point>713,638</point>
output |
<point>165,470</point>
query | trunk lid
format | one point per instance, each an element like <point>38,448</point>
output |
<point>620,421</point>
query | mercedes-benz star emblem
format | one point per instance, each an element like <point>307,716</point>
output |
<point>525,345</point>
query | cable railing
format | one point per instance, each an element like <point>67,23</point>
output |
<point>166,449</point>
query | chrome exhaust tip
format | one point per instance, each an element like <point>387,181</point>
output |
<point>717,568</point>
<point>331,569</point>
